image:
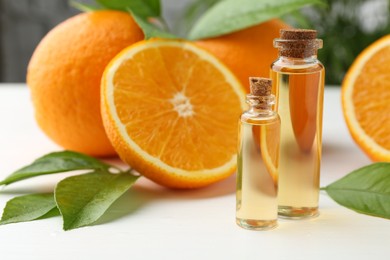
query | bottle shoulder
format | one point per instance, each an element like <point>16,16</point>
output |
<point>297,65</point>
<point>260,119</point>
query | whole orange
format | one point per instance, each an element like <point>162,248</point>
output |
<point>64,76</point>
<point>248,52</point>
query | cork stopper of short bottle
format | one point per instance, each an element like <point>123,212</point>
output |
<point>260,96</point>
<point>298,43</point>
<point>260,87</point>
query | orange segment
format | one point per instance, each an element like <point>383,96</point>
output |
<point>269,142</point>
<point>170,110</point>
<point>366,100</point>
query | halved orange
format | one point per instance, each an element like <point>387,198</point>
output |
<point>267,138</point>
<point>269,143</point>
<point>366,100</point>
<point>170,110</point>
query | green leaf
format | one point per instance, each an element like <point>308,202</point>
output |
<point>83,199</point>
<point>365,190</point>
<point>146,13</point>
<point>54,163</point>
<point>151,30</point>
<point>191,14</point>
<point>297,19</point>
<point>52,213</point>
<point>28,207</point>
<point>232,15</point>
<point>84,7</point>
<point>148,8</point>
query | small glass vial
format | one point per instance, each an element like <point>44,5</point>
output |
<point>257,163</point>
<point>298,83</point>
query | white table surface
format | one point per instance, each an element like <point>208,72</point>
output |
<point>151,222</point>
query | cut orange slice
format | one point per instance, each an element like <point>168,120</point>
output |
<point>269,143</point>
<point>170,110</point>
<point>366,100</point>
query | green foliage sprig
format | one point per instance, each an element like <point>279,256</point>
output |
<point>366,190</point>
<point>80,199</point>
<point>205,19</point>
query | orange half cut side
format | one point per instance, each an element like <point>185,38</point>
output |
<point>366,100</point>
<point>170,110</point>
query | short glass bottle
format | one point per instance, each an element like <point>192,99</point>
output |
<point>298,83</point>
<point>258,155</point>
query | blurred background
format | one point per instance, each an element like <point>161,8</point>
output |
<point>346,26</point>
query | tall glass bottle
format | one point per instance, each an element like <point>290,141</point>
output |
<point>298,83</point>
<point>258,155</point>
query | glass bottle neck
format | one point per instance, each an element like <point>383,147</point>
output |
<point>261,111</point>
<point>260,105</point>
<point>296,61</point>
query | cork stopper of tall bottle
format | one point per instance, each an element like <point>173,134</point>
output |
<point>298,43</point>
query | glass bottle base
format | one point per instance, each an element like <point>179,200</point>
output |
<point>255,224</point>
<point>288,212</point>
